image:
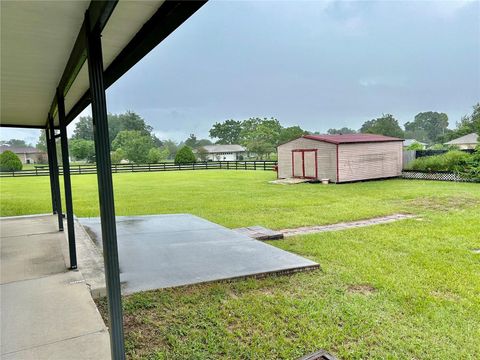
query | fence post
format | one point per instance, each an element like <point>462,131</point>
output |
<point>254,165</point>
<point>228,165</point>
<point>36,171</point>
<point>149,167</point>
<point>164,167</point>
<point>79,169</point>
<point>264,165</point>
<point>245,163</point>
<point>236,165</point>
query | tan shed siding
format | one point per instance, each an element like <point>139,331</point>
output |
<point>326,157</point>
<point>369,160</point>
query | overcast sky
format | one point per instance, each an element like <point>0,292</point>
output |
<point>317,64</point>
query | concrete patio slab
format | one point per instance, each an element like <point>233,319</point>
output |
<point>31,256</point>
<point>28,225</point>
<point>91,346</point>
<point>46,311</point>
<point>90,258</point>
<point>161,251</point>
<point>39,311</point>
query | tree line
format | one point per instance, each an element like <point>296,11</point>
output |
<point>259,136</point>
<point>428,127</point>
<point>133,140</point>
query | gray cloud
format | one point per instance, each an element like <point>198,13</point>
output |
<point>316,64</point>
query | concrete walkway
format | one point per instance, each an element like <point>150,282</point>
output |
<point>46,311</point>
<point>346,225</point>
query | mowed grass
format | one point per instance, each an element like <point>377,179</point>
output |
<point>235,198</point>
<point>405,290</point>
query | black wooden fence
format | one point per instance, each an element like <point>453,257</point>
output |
<point>42,170</point>
<point>423,153</point>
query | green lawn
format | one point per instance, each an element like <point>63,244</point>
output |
<point>238,198</point>
<point>406,290</point>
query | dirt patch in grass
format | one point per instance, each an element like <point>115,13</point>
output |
<point>444,203</point>
<point>363,289</point>
<point>445,295</point>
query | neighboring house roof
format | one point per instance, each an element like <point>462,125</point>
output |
<point>467,139</point>
<point>408,142</point>
<point>212,149</point>
<point>351,138</point>
<point>20,150</point>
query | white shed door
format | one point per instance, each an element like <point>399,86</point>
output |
<point>304,162</point>
<point>297,163</point>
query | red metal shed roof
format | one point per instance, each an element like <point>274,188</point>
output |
<point>351,138</point>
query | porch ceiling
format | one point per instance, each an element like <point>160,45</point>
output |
<point>38,38</point>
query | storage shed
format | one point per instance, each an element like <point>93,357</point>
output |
<point>341,158</point>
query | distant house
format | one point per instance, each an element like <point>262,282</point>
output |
<point>408,142</point>
<point>469,141</point>
<point>27,155</point>
<point>224,152</point>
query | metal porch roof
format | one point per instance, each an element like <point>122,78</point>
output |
<point>41,49</point>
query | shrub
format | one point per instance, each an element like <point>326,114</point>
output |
<point>185,156</point>
<point>471,168</point>
<point>10,162</point>
<point>82,149</point>
<point>415,146</point>
<point>155,155</point>
<point>117,156</point>
<point>437,147</point>
<point>202,153</point>
<point>450,161</point>
<point>454,159</point>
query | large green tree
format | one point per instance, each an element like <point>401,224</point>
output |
<point>385,125</point>
<point>468,124</point>
<point>261,136</point>
<point>227,132</point>
<point>42,141</point>
<point>116,123</point>
<point>290,133</point>
<point>82,149</point>
<point>194,143</point>
<point>172,147</point>
<point>83,128</point>
<point>427,126</point>
<point>191,141</point>
<point>135,144</point>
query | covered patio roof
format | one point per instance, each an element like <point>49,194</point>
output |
<point>57,57</point>
<point>43,47</point>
